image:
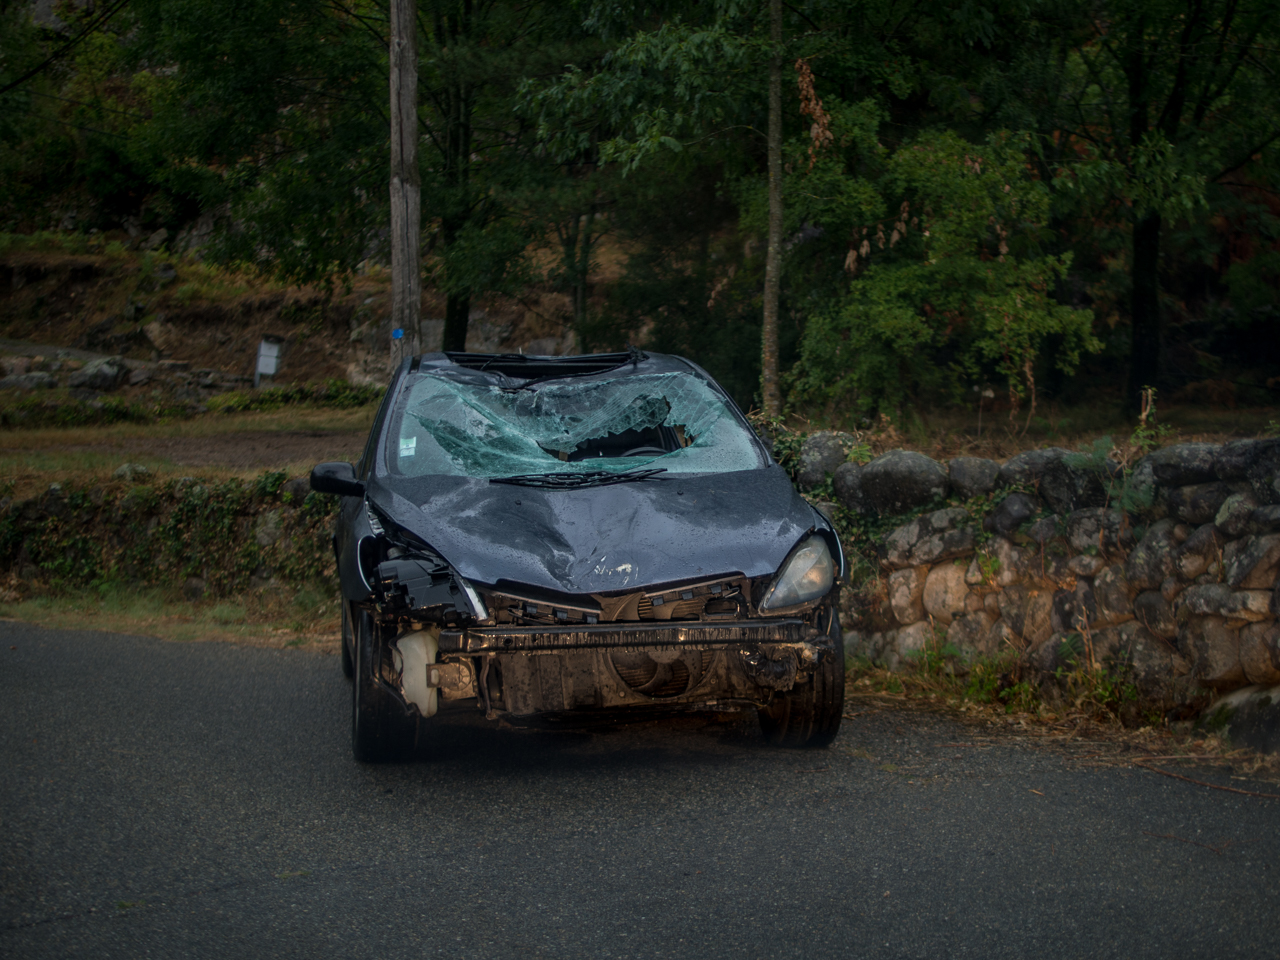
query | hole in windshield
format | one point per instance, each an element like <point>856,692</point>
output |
<point>453,423</point>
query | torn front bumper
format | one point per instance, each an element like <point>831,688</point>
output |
<point>524,671</point>
<point>508,639</point>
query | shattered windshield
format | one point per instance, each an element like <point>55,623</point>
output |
<point>457,423</point>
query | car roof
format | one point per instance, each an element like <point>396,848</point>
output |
<point>528,367</point>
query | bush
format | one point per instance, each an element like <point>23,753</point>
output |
<point>334,393</point>
<point>159,536</point>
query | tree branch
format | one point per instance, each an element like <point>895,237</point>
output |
<point>67,47</point>
<point>1247,157</point>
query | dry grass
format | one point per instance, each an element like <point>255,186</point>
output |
<point>290,419</point>
<point>1094,737</point>
<point>32,459</point>
<point>270,617</point>
<point>943,434</point>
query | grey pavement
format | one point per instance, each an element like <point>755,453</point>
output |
<point>160,799</point>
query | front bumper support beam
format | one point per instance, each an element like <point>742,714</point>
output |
<point>691,635</point>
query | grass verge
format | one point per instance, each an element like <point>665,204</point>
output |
<point>283,617</point>
<point>988,700</point>
<point>31,459</point>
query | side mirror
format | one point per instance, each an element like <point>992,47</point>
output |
<point>336,477</point>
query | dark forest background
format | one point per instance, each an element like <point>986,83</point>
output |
<point>1028,202</point>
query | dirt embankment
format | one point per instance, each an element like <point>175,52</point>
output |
<point>160,308</point>
<point>236,451</point>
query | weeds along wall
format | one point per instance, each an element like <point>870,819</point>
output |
<point>215,538</point>
<point>1063,570</point>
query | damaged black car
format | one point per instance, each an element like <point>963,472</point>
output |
<point>548,536</point>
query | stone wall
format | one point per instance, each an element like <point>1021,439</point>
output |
<point>1177,590</point>
<point>211,538</point>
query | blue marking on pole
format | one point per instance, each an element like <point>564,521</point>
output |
<point>397,334</point>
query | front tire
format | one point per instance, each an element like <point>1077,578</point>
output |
<point>381,730</point>
<point>808,715</point>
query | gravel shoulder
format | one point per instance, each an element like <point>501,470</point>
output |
<point>199,800</point>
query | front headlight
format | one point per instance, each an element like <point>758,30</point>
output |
<point>806,576</point>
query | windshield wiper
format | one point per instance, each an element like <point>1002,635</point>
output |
<point>569,481</point>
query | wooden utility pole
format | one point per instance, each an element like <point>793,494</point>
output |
<point>773,252</point>
<point>406,183</point>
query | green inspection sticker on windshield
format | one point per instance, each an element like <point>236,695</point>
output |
<point>408,446</point>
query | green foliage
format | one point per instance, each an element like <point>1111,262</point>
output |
<point>1123,490</point>
<point>1149,434</point>
<point>36,411</point>
<point>661,86</point>
<point>160,535</point>
<point>993,680</point>
<point>989,565</point>
<point>41,411</point>
<point>1092,457</point>
<point>227,613</point>
<point>274,117</point>
<point>955,289</point>
<point>338,394</point>
<point>935,658</point>
<point>1089,684</point>
<point>43,241</point>
<point>1021,140</point>
<point>787,443</point>
<point>269,484</point>
<point>1254,284</point>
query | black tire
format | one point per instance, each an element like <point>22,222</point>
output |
<point>381,730</point>
<point>809,714</point>
<point>348,665</point>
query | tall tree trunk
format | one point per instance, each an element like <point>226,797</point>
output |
<point>454,25</point>
<point>582,270</point>
<point>457,311</point>
<point>406,183</point>
<point>1144,352</point>
<point>773,253</point>
<point>1144,307</point>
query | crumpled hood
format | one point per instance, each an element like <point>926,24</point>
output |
<point>602,539</point>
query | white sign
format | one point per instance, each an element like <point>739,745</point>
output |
<point>268,360</point>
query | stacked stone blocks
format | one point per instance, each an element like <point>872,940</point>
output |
<point>1175,586</point>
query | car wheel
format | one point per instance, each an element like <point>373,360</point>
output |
<point>348,665</point>
<point>380,728</point>
<point>809,714</point>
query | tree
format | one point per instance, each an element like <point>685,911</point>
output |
<point>483,163</point>
<point>1149,107</point>
<point>948,285</point>
<point>406,181</point>
<point>772,398</point>
<point>273,116</point>
<point>693,78</point>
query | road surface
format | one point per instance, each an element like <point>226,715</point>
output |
<point>161,799</point>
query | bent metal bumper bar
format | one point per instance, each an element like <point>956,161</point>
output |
<point>692,635</point>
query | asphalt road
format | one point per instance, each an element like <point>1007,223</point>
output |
<point>168,800</point>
